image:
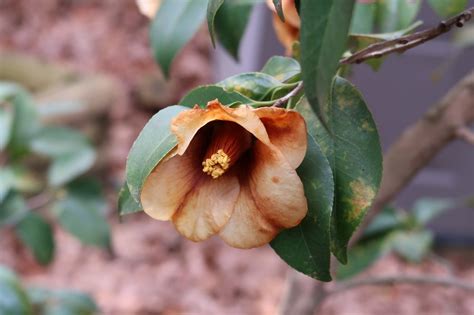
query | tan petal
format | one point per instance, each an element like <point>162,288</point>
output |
<point>148,7</point>
<point>289,11</point>
<point>247,227</point>
<point>167,185</point>
<point>207,207</point>
<point>286,34</point>
<point>277,190</point>
<point>287,131</point>
<point>187,123</point>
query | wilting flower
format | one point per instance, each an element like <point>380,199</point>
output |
<point>289,31</point>
<point>232,174</point>
<point>148,7</point>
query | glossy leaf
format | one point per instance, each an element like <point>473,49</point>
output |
<point>62,302</point>
<point>447,8</point>
<point>204,94</point>
<point>306,247</point>
<point>153,143</point>
<point>279,9</point>
<point>126,203</point>
<point>231,22</point>
<point>25,118</point>
<point>173,26</point>
<point>363,18</point>
<point>71,153</point>
<point>353,149</point>
<point>394,15</point>
<point>362,256</point>
<point>13,299</point>
<point>254,85</point>
<point>6,122</point>
<point>212,8</point>
<point>12,209</point>
<point>426,209</point>
<point>412,245</point>
<point>6,182</point>
<point>37,234</point>
<point>387,220</point>
<point>282,68</point>
<point>324,29</point>
<point>81,213</point>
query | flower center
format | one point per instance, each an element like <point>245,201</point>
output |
<point>228,142</point>
<point>217,164</point>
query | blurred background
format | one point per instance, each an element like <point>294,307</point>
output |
<point>86,67</point>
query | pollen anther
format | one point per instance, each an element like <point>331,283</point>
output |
<point>217,164</point>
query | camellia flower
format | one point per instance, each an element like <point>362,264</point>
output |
<point>289,31</point>
<point>232,173</point>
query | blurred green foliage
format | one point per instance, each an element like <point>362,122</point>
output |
<point>41,179</point>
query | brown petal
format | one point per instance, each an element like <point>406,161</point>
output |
<point>187,123</point>
<point>247,227</point>
<point>276,188</point>
<point>289,11</point>
<point>287,131</point>
<point>165,188</point>
<point>207,207</point>
<point>286,33</point>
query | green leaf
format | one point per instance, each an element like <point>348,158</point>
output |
<point>412,245</point>
<point>279,9</point>
<point>204,94</point>
<point>426,209</point>
<point>153,143</point>
<point>362,256</point>
<point>126,203</point>
<point>394,15</point>
<point>363,18</point>
<point>71,303</point>
<point>387,220</point>
<point>254,85</point>
<point>324,29</point>
<point>25,118</point>
<point>13,299</point>
<point>282,68</point>
<point>81,213</point>
<point>212,8</point>
<point>306,247</point>
<point>353,149</point>
<point>6,182</point>
<point>71,153</point>
<point>173,26</point>
<point>12,209</point>
<point>231,22</point>
<point>447,8</point>
<point>6,122</point>
<point>37,234</point>
<point>68,167</point>
<point>64,302</point>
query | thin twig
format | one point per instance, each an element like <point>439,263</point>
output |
<point>282,101</point>
<point>406,42</point>
<point>401,279</point>
<point>465,134</point>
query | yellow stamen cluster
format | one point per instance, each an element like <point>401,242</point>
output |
<point>217,164</point>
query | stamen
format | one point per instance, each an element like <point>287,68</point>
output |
<point>217,164</point>
<point>228,142</point>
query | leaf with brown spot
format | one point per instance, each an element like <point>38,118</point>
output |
<point>353,150</point>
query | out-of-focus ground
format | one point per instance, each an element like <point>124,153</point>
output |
<point>154,270</point>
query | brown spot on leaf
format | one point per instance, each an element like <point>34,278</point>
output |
<point>361,198</point>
